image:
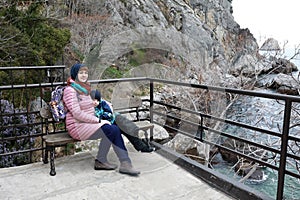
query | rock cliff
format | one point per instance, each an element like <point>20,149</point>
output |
<point>196,38</point>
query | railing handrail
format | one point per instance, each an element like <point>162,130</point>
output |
<point>231,90</point>
<point>201,86</point>
<point>32,67</point>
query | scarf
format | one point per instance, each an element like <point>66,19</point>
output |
<point>81,88</point>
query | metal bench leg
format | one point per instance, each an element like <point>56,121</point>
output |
<point>146,140</point>
<point>45,158</point>
<point>52,166</point>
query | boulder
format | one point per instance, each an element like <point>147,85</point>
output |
<point>285,84</point>
<point>270,45</point>
<point>244,168</point>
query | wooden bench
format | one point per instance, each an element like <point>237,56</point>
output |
<point>133,105</point>
<point>53,140</point>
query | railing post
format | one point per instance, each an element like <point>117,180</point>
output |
<point>151,108</point>
<point>284,143</point>
<point>200,128</point>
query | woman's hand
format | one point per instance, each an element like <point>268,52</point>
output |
<point>103,121</point>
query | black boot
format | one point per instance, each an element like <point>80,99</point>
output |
<point>139,144</point>
<point>147,147</point>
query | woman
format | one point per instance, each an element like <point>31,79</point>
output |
<point>82,123</point>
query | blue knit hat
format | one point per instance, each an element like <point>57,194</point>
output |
<point>95,94</point>
<point>75,69</point>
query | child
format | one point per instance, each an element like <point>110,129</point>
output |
<point>103,110</point>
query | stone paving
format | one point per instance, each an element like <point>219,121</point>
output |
<point>77,180</point>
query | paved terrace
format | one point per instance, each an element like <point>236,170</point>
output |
<point>77,180</point>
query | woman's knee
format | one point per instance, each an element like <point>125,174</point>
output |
<point>111,131</point>
<point>116,129</point>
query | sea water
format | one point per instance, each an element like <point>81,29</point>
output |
<point>266,114</point>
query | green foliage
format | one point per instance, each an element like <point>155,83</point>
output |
<point>112,72</point>
<point>50,42</point>
<point>29,39</point>
<point>79,149</point>
<point>16,49</point>
<point>70,148</point>
<point>137,58</point>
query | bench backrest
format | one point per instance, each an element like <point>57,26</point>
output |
<point>121,104</point>
<point>127,103</point>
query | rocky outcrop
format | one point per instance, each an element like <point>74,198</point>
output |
<point>201,36</point>
<point>270,45</point>
<point>195,38</point>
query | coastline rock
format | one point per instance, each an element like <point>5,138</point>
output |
<point>270,45</point>
<point>285,84</point>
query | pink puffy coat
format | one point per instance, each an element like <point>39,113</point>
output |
<point>81,121</point>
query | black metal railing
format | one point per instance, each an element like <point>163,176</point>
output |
<point>284,136</point>
<point>25,89</point>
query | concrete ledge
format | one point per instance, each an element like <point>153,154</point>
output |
<point>215,179</point>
